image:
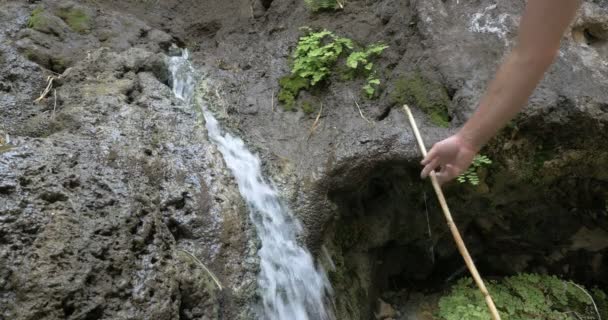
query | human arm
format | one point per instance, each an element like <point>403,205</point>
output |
<point>540,31</point>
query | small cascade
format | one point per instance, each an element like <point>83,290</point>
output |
<point>290,285</point>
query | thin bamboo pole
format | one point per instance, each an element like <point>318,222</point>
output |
<point>453,228</point>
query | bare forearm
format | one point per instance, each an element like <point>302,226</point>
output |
<point>505,97</point>
<point>541,29</point>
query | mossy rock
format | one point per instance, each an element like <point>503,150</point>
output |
<point>352,292</point>
<point>431,97</point>
<point>308,107</point>
<point>290,88</point>
<point>44,21</point>
<point>523,297</point>
<point>77,19</point>
<point>37,19</point>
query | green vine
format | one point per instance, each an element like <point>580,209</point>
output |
<point>470,174</point>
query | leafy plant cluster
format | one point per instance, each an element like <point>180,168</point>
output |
<point>361,59</point>
<point>470,174</point>
<point>320,5</point>
<point>316,57</point>
<point>524,297</point>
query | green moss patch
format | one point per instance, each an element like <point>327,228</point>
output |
<point>308,107</point>
<point>290,88</point>
<point>38,20</point>
<point>431,97</point>
<point>77,19</point>
<point>524,297</point>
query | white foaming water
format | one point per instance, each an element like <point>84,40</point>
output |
<point>290,285</point>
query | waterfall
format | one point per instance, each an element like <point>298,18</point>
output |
<point>290,285</point>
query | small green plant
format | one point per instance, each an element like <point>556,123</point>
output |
<point>470,174</point>
<point>523,297</point>
<point>319,5</point>
<point>315,59</point>
<point>317,53</point>
<point>359,61</point>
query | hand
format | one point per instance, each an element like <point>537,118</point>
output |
<point>453,155</point>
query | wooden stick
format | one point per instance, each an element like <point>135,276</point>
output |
<point>453,228</point>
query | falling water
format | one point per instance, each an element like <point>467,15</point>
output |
<point>290,285</point>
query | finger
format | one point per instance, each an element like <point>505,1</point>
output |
<point>447,173</point>
<point>431,155</point>
<point>429,167</point>
<point>440,175</point>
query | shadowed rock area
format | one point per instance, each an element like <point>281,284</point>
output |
<point>113,200</point>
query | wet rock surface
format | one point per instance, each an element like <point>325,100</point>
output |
<point>111,183</point>
<point>112,196</point>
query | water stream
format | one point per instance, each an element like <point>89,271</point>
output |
<point>290,285</point>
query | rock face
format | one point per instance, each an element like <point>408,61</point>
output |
<point>110,185</point>
<point>112,196</point>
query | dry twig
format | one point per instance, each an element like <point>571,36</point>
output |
<point>48,88</point>
<point>49,85</point>
<point>359,108</point>
<point>578,316</point>
<point>215,279</point>
<point>597,311</point>
<point>54,103</point>
<point>361,112</point>
<point>272,101</point>
<point>316,123</point>
<point>428,225</point>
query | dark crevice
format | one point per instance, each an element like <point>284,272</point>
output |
<point>592,34</point>
<point>7,189</point>
<point>95,314</point>
<point>204,29</point>
<point>53,196</point>
<point>266,3</point>
<point>385,113</point>
<point>133,93</point>
<point>451,92</point>
<point>384,217</point>
<point>177,203</point>
<point>179,230</point>
<point>593,38</point>
<point>67,306</point>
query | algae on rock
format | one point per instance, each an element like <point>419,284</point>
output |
<point>78,19</point>
<point>430,97</point>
